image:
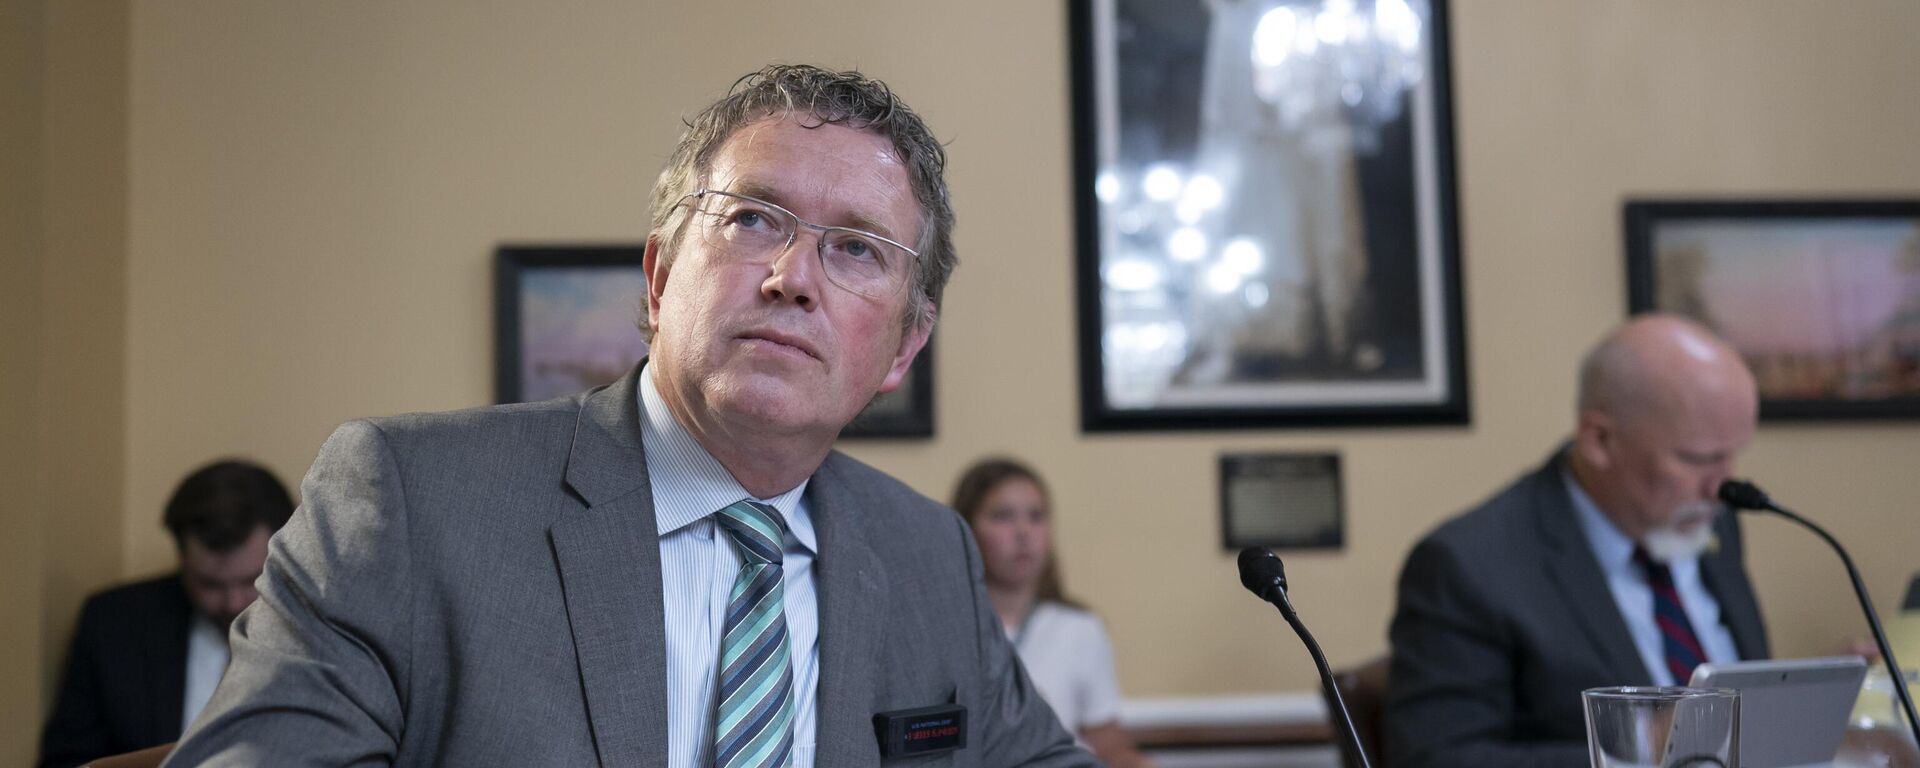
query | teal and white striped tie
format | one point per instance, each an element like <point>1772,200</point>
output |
<point>753,725</point>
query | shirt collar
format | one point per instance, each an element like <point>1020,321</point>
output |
<point>1609,544</point>
<point>689,484</point>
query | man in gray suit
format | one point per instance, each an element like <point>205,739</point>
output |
<point>1611,565</point>
<point>675,570</point>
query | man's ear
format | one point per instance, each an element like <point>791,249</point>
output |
<point>656,272</point>
<point>1594,438</point>
<point>911,342</point>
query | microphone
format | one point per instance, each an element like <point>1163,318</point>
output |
<point>1743,495</point>
<point>1740,494</point>
<point>1263,575</point>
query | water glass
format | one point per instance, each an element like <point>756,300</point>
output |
<point>1667,727</point>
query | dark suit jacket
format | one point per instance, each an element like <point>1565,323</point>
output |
<point>483,587</point>
<point>1504,618</point>
<point>126,674</point>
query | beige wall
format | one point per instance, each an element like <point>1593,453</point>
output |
<point>22,39</point>
<point>315,190</point>
<point>63,95</point>
<point>84,303</point>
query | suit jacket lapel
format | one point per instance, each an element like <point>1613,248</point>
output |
<point>609,560</point>
<point>1571,566</point>
<point>851,604</point>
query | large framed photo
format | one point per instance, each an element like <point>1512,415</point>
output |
<point>1822,298</point>
<point>567,319</point>
<point>1266,216</point>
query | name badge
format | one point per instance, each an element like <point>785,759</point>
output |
<point>921,731</point>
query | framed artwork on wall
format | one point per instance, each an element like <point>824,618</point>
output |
<point>1266,224</point>
<point>567,319</point>
<point>1821,298</point>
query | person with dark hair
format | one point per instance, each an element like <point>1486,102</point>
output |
<point>146,656</point>
<point>676,569</point>
<point>1063,646</point>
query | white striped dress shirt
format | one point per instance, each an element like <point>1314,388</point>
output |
<point>697,570</point>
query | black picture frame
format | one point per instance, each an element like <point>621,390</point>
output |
<point>1820,297</point>
<point>1402,356</point>
<point>578,307</point>
<point>1282,500</point>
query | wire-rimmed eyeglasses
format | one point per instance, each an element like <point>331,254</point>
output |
<point>750,229</point>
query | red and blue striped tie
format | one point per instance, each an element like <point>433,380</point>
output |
<point>1676,632</point>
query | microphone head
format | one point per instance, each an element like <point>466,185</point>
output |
<point>1262,574</point>
<point>1740,494</point>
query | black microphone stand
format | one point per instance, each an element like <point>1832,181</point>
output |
<point>1743,495</point>
<point>1341,720</point>
<point>1262,574</point>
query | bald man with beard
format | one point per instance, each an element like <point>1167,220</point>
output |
<point>1611,564</point>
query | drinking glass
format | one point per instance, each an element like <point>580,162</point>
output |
<point>1669,727</point>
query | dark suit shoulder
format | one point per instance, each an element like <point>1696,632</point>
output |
<point>125,673</point>
<point>1506,522</point>
<point>136,602</point>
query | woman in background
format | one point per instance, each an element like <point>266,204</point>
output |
<point>1063,646</point>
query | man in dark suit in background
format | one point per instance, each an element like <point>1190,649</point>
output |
<point>146,656</point>
<point>1613,564</point>
<point>677,569</point>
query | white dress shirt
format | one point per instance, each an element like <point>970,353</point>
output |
<point>1634,595</point>
<point>697,570</point>
<point>207,654</point>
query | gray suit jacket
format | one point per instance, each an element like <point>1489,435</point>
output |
<point>483,587</point>
<point>1504,617</point>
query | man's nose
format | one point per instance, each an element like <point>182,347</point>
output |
<point>797,271</point>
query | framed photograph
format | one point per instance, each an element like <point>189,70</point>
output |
<point>1822,298</point>
<point>567,319</point>
<point>1281,500</point>
<point>1266,224</point>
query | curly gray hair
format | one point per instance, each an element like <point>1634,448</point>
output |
<point>828,97</point>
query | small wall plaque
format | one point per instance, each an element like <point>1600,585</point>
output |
<point>1281,500</point>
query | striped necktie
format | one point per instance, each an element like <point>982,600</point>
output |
<point>1683,648</point>
<point>753,724</point>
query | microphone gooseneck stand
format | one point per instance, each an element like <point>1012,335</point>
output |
<point>1743,495</point>
<point>1263,575</point>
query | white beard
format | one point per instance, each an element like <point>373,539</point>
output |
<point>1688,534</point>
